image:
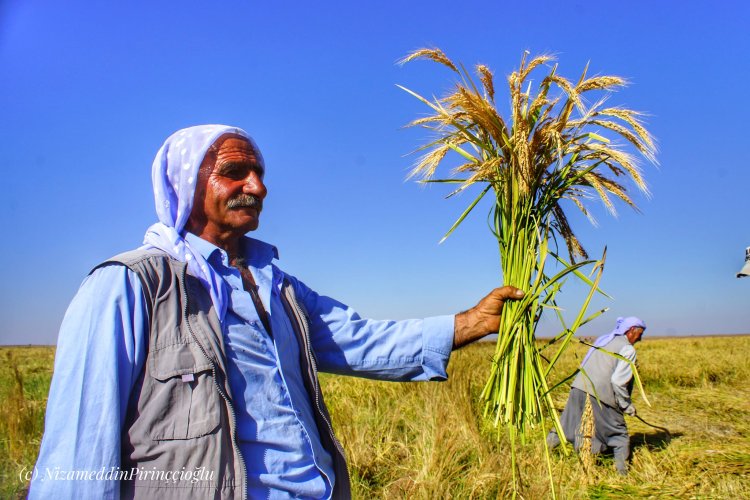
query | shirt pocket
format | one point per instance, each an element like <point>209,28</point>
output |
<point>184,401</point>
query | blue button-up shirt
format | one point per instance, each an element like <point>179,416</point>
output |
<point>102,349</point>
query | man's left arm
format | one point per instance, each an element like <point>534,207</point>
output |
<point>407,350</point>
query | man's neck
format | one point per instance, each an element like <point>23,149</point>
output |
<point>228,241</point>
<point>232,245</point>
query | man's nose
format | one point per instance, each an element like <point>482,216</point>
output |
<point>254,185</point>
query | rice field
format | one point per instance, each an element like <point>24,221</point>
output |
<point>426,440</point>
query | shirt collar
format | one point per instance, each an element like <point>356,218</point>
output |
<point>258,253</point>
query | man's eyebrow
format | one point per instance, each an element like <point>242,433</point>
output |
<point>254,164</point>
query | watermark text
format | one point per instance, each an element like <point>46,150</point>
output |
<point>194,475</point>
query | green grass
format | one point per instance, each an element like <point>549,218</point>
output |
<point>425,440</point>
<point>25,374</point>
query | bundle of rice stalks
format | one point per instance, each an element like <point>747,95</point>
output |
<point>553,148</point>
<point>584,437</point>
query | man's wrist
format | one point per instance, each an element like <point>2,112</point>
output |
<point>468,328</point>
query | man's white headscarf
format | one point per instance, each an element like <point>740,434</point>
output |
<point>621,328</point>
<point>174,174</point>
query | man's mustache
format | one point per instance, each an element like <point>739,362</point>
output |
<point>246,200</point>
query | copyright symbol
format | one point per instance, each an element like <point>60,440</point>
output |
<point>26,474</point>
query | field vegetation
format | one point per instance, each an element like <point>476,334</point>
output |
<point>427,440</point>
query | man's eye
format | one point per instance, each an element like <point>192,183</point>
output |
<point>239,171</point>
<point>234,172</point>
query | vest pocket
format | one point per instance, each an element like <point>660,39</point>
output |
<point>184,402</point>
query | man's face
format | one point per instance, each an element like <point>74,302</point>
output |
<point>634,334</point>
<point>229,192</point>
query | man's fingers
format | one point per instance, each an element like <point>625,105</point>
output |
<point>493,303</point>
<point>508,293</point>
<point>484,317</point>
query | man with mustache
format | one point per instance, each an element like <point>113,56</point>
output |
<point>188,368</point>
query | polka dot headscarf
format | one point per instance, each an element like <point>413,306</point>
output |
<point>174,174</point>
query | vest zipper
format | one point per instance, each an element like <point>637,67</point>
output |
<point>243,479</point>
<point>313,375</point>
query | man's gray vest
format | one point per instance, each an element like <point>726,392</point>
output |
<point>180,418</point>
<point>599,368</point>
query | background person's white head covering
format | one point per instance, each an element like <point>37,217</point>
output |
<point>621,328</point>
<point>174,174</point>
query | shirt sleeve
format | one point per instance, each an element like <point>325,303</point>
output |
<point>101,350</point>
<point>622,376</point>
<point>345,343</point>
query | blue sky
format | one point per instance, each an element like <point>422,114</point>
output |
<point>89,91</point>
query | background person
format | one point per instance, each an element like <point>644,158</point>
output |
<point>608,382</point>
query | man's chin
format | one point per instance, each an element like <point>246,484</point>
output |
<point>249,226</point>
<point>240,226</point>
